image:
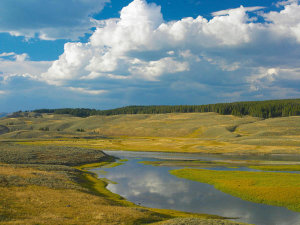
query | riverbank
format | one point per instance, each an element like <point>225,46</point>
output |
<point>51,185</point>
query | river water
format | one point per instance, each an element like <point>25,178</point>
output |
<point>155,187</point>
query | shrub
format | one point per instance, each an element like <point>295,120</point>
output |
<point>44,128</point>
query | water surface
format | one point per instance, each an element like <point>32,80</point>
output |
<point>155,187</point>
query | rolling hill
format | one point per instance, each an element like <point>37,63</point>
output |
<point>179,132</point>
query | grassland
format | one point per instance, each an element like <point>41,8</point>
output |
<point>53,186</point>
<point>279,189</point>
<point>174,132</point>
<point>43,176</point>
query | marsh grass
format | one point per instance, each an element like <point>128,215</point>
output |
<point>266,165</point>
<point>279,189</point>
<point>276,167</point>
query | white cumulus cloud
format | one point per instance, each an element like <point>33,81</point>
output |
<point>233,54</point>
<point>117,45</point>
<point>287,21</point>
<point>12,65</point>
<point>227,11</point>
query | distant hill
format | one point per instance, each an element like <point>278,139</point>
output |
<point>175,132</point>
<point>262,109</point>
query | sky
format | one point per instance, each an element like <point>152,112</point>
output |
<point>106,53</point>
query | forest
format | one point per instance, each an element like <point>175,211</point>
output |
<point>262,109</point>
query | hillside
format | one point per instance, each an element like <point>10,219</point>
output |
<point>188,132</point>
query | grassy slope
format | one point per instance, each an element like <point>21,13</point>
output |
<point>190,132</point>
<point>280,189</point>
<point>34,189</point>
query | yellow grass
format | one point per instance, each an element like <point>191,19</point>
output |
<point>40,205</point>
<point>36,204</point>
<point>162,144</point>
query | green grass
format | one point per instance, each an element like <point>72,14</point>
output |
<point>277,167</point>
<point>266,165</point>
<point>279,189</point>
<point>98,187</point>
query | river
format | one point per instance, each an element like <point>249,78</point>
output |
<point>154,186</point>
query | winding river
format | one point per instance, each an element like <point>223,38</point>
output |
<point>155,187</point>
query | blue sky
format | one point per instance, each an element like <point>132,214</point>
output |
<point>105,54</point>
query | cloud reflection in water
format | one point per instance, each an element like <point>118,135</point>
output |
<point>155,187</point>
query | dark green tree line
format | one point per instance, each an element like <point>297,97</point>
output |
<point>263,109</point>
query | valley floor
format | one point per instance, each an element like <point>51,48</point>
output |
<point>42,180</point>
